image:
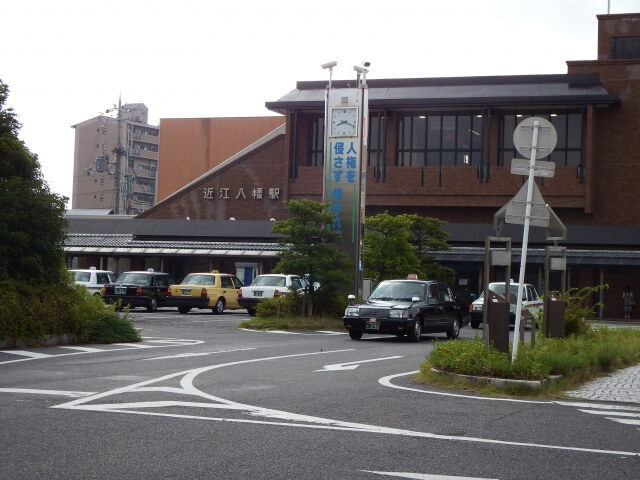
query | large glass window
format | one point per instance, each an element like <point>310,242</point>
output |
<point>440,140</point>
<point>316,143</point>
<point>568,125</point>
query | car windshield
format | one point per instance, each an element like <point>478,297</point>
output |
<point>198,279</point>
<point>269,281</point>
<point>498,289</point>
<point>401,291</point>
<point>134,278</point>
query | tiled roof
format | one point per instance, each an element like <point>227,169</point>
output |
<point>83,243</point>
<point>126,244</point>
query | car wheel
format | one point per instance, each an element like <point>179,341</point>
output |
<point>219,308</point>
<point>153,305</point>
<point>416,332</point>
<point>183,309</point>
<point>475,324</point>
<point>454,330</point>
<point>355,334</point>
<point>251,311</point>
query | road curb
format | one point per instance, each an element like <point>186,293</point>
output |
<point>500,382</point>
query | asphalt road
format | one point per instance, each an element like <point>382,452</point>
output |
<point>201,399</point>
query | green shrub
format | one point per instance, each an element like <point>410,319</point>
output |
<point>580,305</point>
<point>283,306</point>
<point>109,327</point>
<point>30,312</point>
<point>599,350</point>
<point>325,303</point>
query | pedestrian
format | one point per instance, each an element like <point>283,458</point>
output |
<point>628,302</point>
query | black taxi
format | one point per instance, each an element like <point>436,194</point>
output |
<point>407,307</point>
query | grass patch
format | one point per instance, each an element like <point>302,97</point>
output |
<point>576,358</point>
<point>299,323</point>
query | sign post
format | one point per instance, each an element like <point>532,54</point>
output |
<point>530,128</point>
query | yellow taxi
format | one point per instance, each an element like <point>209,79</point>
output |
<point>214,290</point>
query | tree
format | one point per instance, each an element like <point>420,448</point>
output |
<point>387,251</point>
<point>32,224</point>
<point>395,246</point>
<point>427,236</point>
<point>311,249</point>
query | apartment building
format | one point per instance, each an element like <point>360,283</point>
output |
<point>116,161</point>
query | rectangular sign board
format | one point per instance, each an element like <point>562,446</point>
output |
<point>520,166</point>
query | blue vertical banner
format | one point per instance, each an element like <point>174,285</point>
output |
<point>345,125</point>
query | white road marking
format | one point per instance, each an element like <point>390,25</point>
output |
<point>163,342</point>
<point>625,422</point>
<point>84,349</point>
<point>186,355</point>
<point>287,419</point>
<point>286,332</point>
<point>424,476</point>
<point>26,353</point>
<point>609,412</point>
<point>386,381</point>
<point>58,393</point>
<point>352,365</point>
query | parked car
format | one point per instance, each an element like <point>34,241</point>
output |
<point>139,289</point>
<point>214,290</point>
<point>531,303</point>
<point>93,279</point>
<point>407,307</point>
<point>270,285</point>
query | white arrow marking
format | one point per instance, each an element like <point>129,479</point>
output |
<point>352,365</point>
<point>287,419</point>
<point>423,476</point>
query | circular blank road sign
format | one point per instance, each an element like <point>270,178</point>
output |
<point>523,137</point>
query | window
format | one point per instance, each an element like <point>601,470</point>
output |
<point>625,47</point>
<point>568,125</point>
<point>316,143</point>
<point>376,140</point>
<point>440,140</point>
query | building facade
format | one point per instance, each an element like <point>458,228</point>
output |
<point>442,147</point>
<point>190,147</point>
<point>116,161</point>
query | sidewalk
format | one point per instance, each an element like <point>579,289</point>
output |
<point>622,385</point>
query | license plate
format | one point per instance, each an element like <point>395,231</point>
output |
<point>372,325</point>
<point>121,290</point>
<point>257,293</point>
<point>186,291</point>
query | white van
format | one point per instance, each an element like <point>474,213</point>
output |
<point>93,279</point>
<point>531,303</point>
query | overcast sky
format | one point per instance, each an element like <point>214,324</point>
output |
<point>67,61</point>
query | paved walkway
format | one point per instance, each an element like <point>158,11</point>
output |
<point>621,386</point>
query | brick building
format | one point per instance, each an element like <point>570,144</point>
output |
<point>442,147</point>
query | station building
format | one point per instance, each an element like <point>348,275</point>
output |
<point>437,147</point>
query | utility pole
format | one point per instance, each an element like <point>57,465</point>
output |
<point>119,152</point>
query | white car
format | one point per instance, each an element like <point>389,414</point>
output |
<point>93,279</point>
<point>268,286</point>
<point>531,303</point>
